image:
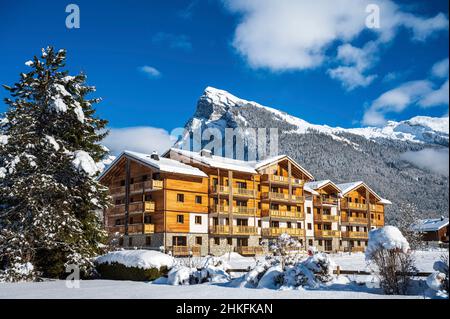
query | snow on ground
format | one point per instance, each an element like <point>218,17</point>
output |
<point>132,290</point>
<point>100,289</point>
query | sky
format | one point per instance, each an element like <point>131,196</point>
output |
<point>317,60</point>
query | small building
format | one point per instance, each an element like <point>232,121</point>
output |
<point>433,230</point>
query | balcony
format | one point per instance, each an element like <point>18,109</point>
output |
<point>326,218</point>
<point>277,231</point>
<point>133,229</point>
<point>236,210</point>
<point>237,191</point>
<point>282,214</point>
<point>135,207</point>
<point>376,208</point>
<point>137,187</point>
<point>249,250</point>
<point>327,233</point>
<point>185,250</point>
<point>355,234</point>
<point>354,220</point>
<point>233,230</point>
<point>325,201</point>
<point>282,197</point>
<point>355,206</point>
<point>281,180</point>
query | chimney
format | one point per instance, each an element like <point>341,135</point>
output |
<point>155,156</point>
<point>206,153</point>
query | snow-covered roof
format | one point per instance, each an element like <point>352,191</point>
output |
<point>347,187</point>
<point>233,164</point>
<point>309,190</point>
<point>162,164</point>
<point>430,224</point>
<point>320,184</point>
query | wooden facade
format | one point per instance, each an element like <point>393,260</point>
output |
<point>228,208</point>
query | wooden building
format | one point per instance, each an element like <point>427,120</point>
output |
<point>199,203</point>
<point>433,230</point>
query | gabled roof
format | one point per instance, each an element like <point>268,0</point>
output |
<point>348,187</point>
<point>251,167</point>
<point>310,190</point>
<point>430,224</point>
<point>166,165</point>
<point>320,184</point>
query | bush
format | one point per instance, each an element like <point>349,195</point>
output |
<point>118,271</point>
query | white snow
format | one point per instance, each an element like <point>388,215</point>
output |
<point>58,105</point>
<point>29,63</point>
<point>78,110</point>
<point>144,259</point>
<point>51,140</point>
<point>430,224</point>
<point>83,161</point>
<point>387,237</point>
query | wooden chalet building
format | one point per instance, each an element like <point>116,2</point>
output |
<point>198,203</point>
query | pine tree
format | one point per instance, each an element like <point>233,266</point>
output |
<point>49,198</point>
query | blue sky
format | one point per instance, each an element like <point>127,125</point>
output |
<point>151,60</point>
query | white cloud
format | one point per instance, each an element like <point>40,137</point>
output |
<point>143,139</point>
<point>173,41</point>
<point>435,160</point>
<point>440,69</point>
<point>288,35</point>
<point>436,97</point>
<point>150,71</point>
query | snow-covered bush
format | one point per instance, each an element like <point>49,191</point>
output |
<point>389,250</point>
<point>438,281</point>
<point>19,272</point>
<point>286,248</point>
<point>253,277</point>
<point>139,265</point>
<point>209,269</point>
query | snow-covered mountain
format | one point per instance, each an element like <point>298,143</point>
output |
<point>373,154</point>
<point>218,108</point>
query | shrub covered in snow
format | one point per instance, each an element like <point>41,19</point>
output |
<point>389,251</point>
<point>438,281</point>
<point>140,265</point>
<point>19,272</point>
<point>210,269</point>
<point>312,272</point>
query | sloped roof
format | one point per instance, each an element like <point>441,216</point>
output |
<point>347,187</point>
<point>319,184</point>
<point>310,190</point>
<point>430,224</point>
<point>163,164</point>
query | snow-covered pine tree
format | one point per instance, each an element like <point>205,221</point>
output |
<point>408,215</point>
<point>49,150</point>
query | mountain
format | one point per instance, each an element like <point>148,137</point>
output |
<point>372,154</point>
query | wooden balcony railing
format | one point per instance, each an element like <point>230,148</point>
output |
<point>357,249</point>
<point>136,207</point>
<point>325,200</point>
<point>133,229</point>
<point>138,187</point>
<point>354,220</point>
<point>244,230</point>
<point>282,197</point>
<point>376,208</point>
<point>235,230</point>
<point>185,250</point>
<point>277,179</point>
<point>354,234</point>
<point>283,214</point>
<point>277,231</point>
<point>351,205</point>
<point>249,250</point>
<point>326,218</point>
<point>238,210</point>
<point>239,191</point>
<point>327,233</point>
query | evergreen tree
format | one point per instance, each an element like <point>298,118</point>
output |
<point>49,198</point>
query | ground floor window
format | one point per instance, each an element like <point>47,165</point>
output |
<point>216,241</point>
<point>179,241</point>
<point>198,240</point>
<point>130,241</point>
<point>310,242</point>
<point>229,241</point>
<point>148,240</point>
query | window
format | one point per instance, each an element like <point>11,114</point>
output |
<point>299,225</point>
<point>131,220</point>
<point>319,226</point>
<point>156,176</point>
<point>364,201</point>
<point>320,242</point>
<point>121,241</point>
<point>180,219</point>
<point>132,180</point>
<point>118,222</point>
<point>259,223</point>
<point>359,243</point>
<point>379,217</point>
<point>216,241</point>
<point>288,208</point>
<point>372,216</point>
<point>349,199</point>
<point>299,208</point>
<point>130,241</point>
<point>179,241</point>
<point>259,205</point>
<point>180,198</point>
<point>215,181</point>
<point>118,201</point>
<point>229,241</point>
<point>122,182</point>
<point>198,241</point>
<point>310,242</point>
<point>148,197</point>
<point>148,240</point>
<point>198,220</point>
<point>241,184</point>
<point>340,242</point>
<point>308,210</point>
<point>147,219</point>
<point>309,226</point>
<point>289,225</point>
<point>356,200</point>
<point>198,199</point>
<point>144,178</point>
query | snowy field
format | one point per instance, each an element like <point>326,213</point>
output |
<point>97,289</point>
